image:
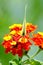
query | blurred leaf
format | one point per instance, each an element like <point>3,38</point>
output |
<point>13,63</point>
<point>24,58</point>
<point>33,50</point>
<point>31,62</point>
<point>35,63</point>
<point>16,57</point>
<point>39,57</point>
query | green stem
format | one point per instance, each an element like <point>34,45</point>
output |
<point>24,22</point>
<point>28,56</point>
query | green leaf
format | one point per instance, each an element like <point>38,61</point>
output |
<point>24,58</point>
<point>13,63</point>
<point>27,61</point>
<point>16,57</point>
<point>35,62</point>
<point>31,62</point>
<point>39,57</point>
<point>33,50</point>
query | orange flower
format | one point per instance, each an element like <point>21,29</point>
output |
<point>25,42</point>
<point>38,39</point>
<point>16,27</point>
<point>30,27</point>
<point>11,45</point>
<point>7,37</point>
<point>16,32</point>
<point>8,41</point>
<point>15,42</point>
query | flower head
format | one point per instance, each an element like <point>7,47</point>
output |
<point>25,43</point>
<point>7,37</point>
<point>16,27</point>
<point>11,45</point>
<point>15,42</point>
<point>38,39</point>
<point>30,27</point>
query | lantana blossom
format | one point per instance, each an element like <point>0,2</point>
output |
<point>15,42</point>
<point>38,39</point>
<point>30,27</point>
<point>16,27</point>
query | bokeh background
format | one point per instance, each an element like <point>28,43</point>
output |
<point>12,11</point>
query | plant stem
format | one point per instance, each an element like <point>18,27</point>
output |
<point>24,22</point>
<point>28,56</point>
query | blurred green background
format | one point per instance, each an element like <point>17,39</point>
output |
<point>12,11</point>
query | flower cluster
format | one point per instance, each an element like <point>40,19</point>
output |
<point>17,43</point>
<point>38,39</point>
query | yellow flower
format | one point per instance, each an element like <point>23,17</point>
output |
<point>7,37</point>
<point>23,40</point>
<point>13,43</point>
<point>30,27</point>
<point>15,25</point>
<point>15,32</point>
<point>41,33</point>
